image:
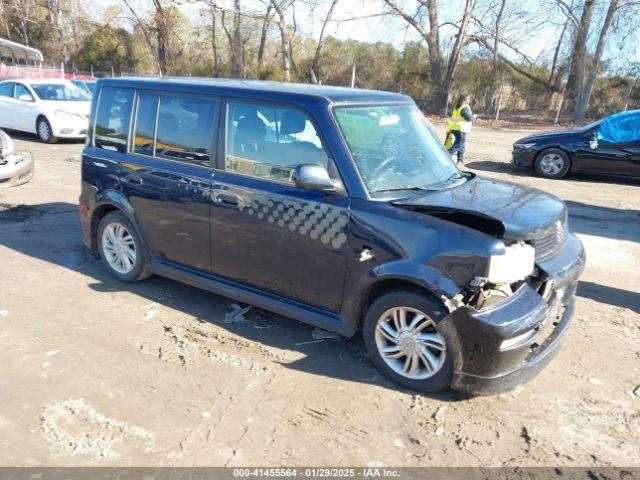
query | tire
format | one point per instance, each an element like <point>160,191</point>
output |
<point>425,379</point>
<point>117,225</point>
<point>44,131</point>
<point>552,163</point>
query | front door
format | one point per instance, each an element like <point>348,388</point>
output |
<point>266,232</point>
<point>167,175</point>
<point>26,109</point>
<point>617,158</point>
<point>7,105</point>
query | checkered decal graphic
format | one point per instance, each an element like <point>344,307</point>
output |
<point>317,220</point>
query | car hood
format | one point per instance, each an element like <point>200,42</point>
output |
<point>79,107</point>
<point>563,133</point>
<point>503,209</point>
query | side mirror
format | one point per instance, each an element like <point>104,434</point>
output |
<point>593,143</point>
<point>312,176</point>
<point>25,98</point>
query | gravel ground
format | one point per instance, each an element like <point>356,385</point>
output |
<point>97,372</point>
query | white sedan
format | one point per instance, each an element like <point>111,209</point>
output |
<point>51,109</point>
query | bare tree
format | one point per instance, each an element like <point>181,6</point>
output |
<point>214,39</point>
<point>490,101</point>
<point>431,36</point>
<point>280,7</point>
<point>235,38</point>
<point>578,59</point>
<point>263,35</point>
<point>147,29</point>
<point>585,94</point>
<point>315,67</point>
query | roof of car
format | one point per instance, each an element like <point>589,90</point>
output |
<point>263,88</point>
<point>36,81</point>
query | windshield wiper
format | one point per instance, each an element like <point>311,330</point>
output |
<point>455,174</point>
<point>399,189</point>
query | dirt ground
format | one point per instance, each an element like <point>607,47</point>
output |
<point>97,372</point>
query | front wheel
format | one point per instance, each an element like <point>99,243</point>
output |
<point>401,335</point>
<point>120,248</point>
<point>552,163</point>
<point>45,132</point>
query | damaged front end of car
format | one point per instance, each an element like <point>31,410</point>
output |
<point>505,326</point>
<point>16,168</point>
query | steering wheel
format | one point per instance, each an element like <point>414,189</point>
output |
<point>390,147</point>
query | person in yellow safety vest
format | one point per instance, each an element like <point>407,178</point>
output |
<point>458,126</point>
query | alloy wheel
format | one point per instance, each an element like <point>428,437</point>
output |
<point>119,248</point>
<point>551,164</point>
<point>44,132</point>
<point>409,343</point>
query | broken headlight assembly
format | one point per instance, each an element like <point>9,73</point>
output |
<point>508,268</point>
<point>515,263</point>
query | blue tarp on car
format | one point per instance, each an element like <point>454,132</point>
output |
<point>621,127</point>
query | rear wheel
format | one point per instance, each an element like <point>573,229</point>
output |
<point>552,163</point>
<point>44,130</point>
<point>120,248</point>
<point>401,334</point>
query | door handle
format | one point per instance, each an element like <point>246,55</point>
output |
<point>135,179</point>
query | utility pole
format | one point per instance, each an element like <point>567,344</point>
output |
<point>353,75</point>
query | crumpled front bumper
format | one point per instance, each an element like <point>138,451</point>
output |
<point>16,169</point>
<point>482,366</point>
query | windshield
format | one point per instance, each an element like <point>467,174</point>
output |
<point>589,126</point>
<point>59,91</point>
<point>395,148</point>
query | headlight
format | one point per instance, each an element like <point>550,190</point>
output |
<point>524,146</point>
<point>516,263</point>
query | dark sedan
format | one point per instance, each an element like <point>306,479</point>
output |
<point>610,146</point>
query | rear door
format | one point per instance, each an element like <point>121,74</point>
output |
<point>266,232</point>
<point>167,175</point>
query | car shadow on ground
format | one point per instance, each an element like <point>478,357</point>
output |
<point>33,138</point>
<point>614,223</point>
<point>610,295</point>
<point>51,232</point>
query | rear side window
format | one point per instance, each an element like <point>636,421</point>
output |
<point>145,123</point>
<point>112,119</point>
<point>269,142</point>
<point>185,128</point>
<point>6,89</point>
<point>22,91</point>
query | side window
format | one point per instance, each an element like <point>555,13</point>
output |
<point>22,91</point>
<point>185,128</point>
<point>269,142</point>
<point>112,119</point>
<point>147,113</point>
<point>6,89</point>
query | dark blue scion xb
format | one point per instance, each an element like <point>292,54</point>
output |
<point>337,207</point>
